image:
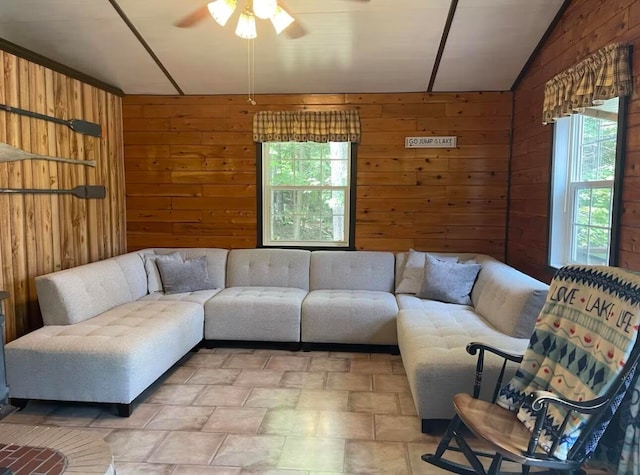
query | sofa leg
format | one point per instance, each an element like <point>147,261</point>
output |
<point>124,410</point>
<point>19,403</point>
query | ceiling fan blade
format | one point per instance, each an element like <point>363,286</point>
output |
<point>295,30</point>
<point>193,18</point>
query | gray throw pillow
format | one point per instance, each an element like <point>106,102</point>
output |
<point>154,283</point>
<point>449,282</point>
<point>184,276</point>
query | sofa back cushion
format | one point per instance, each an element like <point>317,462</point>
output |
<point>268,268</point>
<point>216,264</point>
<point>352,270</point>
<point>508,299</point>
<point>73,295</point>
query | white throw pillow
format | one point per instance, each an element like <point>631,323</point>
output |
<point>154,283</point>
<point>413,273</point>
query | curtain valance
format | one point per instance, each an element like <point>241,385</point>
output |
<point>306,126</point>
<point>603,75</point>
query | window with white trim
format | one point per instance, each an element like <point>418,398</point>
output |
<point>585,163</point>
<point>307,194</point>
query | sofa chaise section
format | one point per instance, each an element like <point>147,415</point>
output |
<point>433,335</point>
<point>263,296</point>
<point>100,343</point>
<point>351,299</point>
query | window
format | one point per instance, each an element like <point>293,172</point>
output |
<point>308,194</point>
<point>584,201</point>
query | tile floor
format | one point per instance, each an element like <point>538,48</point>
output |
<point>241,411</point>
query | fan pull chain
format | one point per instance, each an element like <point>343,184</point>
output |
<point>251,71</point>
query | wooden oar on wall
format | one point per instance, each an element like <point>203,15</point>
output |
<point>9,153</point>
<point>78,125</point>
<point>83,191</point>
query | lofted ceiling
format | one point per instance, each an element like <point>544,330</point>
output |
<point>350,46</point>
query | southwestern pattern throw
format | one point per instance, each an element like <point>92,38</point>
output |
<point>583,337</point>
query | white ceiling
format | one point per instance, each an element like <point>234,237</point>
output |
<point>350,46</point>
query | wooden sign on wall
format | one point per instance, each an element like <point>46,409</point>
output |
<point>430,142</point>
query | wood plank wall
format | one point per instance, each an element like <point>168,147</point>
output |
<point>45,233</point>
<point>586,26</point>
<point>191,175</point>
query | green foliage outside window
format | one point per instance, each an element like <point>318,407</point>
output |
<point>308,189</point>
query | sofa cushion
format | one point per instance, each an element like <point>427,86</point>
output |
<point>254,314</point>
<point>199,296</point>
<point>179,276</point>
<point>352,270</point>
<point>432,341</point>
<point>349,316</point>
<point>73,295</point>
<point>507,298</point>
<point>154,281</point>
<point>109,358</point>
<point>448,281</point>
<point>268,268</point>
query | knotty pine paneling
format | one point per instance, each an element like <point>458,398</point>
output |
<point>191,174</point>
<point>45,233</point>
<point>586,26</point>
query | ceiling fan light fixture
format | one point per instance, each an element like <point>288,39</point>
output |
<point>264,8</point>
<point>221,10</point>
<point>280,19</point>
<point>247,25</point>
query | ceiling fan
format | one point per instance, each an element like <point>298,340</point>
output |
<point>274,10</point>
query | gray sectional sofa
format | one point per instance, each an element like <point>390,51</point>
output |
<point>110,330</point>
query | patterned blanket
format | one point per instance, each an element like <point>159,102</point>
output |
<point>582,339</point>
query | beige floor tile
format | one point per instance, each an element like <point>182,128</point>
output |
<point>327,400</point>
<point>71,415</point>
<point>132,468</point>
<point>376,457</point>
<point>235,420</point>
<point>250,451</point>
<point>395,428</point>
<point>182,447</point>
<point>378,403</point>
<point>175,393</point>
<point>275,352</point>
<point>346,425</point>
<point>214,376</point>
<point>290,422</point>
<point>223,396</point>
<point>246,361</point>
<point>134,445</point>
<point>396,383</point>
<point>234,351</point>
<point>288,363</point>
<point>312,453</point>
<point>275,471</point>
<point>257,378</point>
<point>407,406</point>
<point>33,413</point>
<point>349,381</point>
<point>205,470</point>
<point>181,418</point>
<point>371,366</point>
<point>208,360</point>
<point>398,367</point>
<point>418,466</point>
<point>179,375</point>
<point>329,364</point>
<point>351,356</point>
<point>273,397</point>
<point>140,417</point>
<point>303,379</point>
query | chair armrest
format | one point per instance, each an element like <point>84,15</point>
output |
<point>479,348</point>
<point>540,398</point>
<point>475,346</point>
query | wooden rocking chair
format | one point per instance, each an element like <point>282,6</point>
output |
<point>579,364</point>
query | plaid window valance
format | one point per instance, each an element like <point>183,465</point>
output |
<point>603,75</point>
<point>306,126</point>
